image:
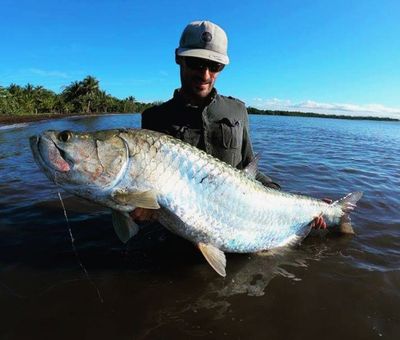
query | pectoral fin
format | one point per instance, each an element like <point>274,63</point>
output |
<point>145,199</point>
<point>124,226</point>
<point>251,169</point>
<point>215,257</point>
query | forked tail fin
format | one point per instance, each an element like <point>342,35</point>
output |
<point>347,204</point>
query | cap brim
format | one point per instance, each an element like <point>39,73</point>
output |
<point>202,53</point>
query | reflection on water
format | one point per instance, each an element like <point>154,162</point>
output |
<point>159,286</point>
<point>250,275</point>
<point>13,126</point>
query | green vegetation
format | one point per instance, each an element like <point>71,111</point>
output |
<point>254,111</point>
<point>83,96</point>
<point>86,97</point>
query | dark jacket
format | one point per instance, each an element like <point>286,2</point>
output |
<point>221,128</point>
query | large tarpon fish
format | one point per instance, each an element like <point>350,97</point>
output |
<point>217,207</point>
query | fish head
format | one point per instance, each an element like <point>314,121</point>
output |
<point>83,163</point>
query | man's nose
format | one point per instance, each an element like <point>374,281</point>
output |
<point>205,73</point>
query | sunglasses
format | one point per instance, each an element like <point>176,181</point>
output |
<point>199,64</point>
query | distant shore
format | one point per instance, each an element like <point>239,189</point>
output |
<point>10,119</point>
<point>255,111</point>
<point>15,119</point>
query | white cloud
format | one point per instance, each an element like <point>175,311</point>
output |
<point>45,73</point>
<point>372,110</point>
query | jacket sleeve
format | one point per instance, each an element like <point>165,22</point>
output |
<point>147,121</point>
<point>156,118</point>
<point>248,156</point>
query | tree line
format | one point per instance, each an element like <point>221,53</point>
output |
<point>83,96</point>
<point>255,111</point>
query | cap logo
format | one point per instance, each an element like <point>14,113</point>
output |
<point>206,37</point>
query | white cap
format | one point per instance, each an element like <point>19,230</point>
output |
<point>204,39</point>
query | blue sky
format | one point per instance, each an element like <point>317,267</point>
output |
<point>325,56</point>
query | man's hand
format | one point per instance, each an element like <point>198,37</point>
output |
<point>143,214</point>
<point>319,222</point>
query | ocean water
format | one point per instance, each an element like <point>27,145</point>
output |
<point>158,286</point>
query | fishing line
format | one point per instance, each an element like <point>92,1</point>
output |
<point>76,252</point>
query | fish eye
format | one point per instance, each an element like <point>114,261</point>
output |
<point>64,136</point>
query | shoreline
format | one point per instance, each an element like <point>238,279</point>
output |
<point>8,120</point>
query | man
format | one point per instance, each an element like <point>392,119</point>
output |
<point>197,114</point>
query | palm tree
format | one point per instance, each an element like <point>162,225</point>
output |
<point>90,88</point>
<point>4,101</point>
<point>102,102</point>
<point>129,104</point>
<point>72,91</point>
<point>82,93</point>
<point>90,84</point>
<point>15,89</point>
<point>29,88</point>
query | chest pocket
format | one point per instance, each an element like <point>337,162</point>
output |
<point>231,132</point>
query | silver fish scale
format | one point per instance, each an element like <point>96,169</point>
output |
<point>206,200</point>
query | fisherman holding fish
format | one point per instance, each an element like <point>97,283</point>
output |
<point>198,114</point>
<point>136,172</point>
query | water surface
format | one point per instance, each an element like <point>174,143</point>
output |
<point>158,286</point>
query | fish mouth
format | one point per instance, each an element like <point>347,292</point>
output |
<point>48,154</point>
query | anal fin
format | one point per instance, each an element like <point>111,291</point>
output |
<point>124,226</point>
<point>345,226</point>
<point>215,257</point>
<point>347,204</point>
